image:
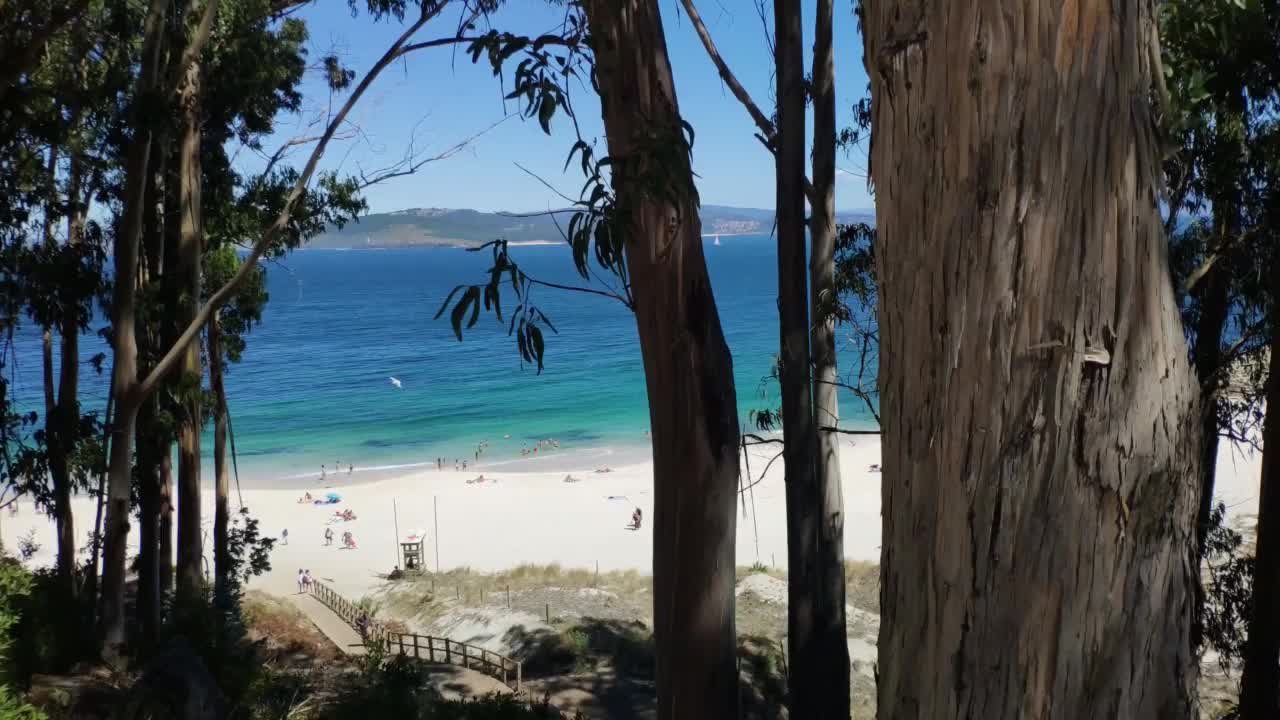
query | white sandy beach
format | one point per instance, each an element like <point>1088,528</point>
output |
<point>535,517</point>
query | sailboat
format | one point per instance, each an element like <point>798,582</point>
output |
<point>717,241</point>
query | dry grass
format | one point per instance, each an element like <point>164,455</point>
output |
<point>427,595</point>
<point>861,581</point>
<point>285,634</point>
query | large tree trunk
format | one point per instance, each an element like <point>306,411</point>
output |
<point>124,344</point>
<point>1260,685</point>
<point>222,479</point>
<point>688,369</point>
<point>823,692</point>
<point>1039,412</point>
<point>190,245</point>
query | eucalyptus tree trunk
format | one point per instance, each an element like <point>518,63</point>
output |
<point>222,479</point>
<point>808,589</point>
<point>56,429</point>
<point>164,524</point>
<point>1040,416</point>
<point>150,434</point>
<point>124,343</point>
<point>1214,296</point>
<point>1260,684</point>
<point>187,276</point>
<point>818,684</point>
<point>688,369</point>
<point>67,410</point>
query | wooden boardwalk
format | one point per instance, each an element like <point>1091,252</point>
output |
<point>451,681</point>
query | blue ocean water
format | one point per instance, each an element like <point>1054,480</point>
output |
<point>314,386</point>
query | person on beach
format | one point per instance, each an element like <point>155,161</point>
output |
<point>351,468</point>
<point>328,536</point>
<point>301,577</point>
<point>306,580</point>
<point>284,536</point>
<point>636,518</point>
<point>322,472</point>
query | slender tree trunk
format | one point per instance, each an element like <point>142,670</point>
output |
<point>57,430</point>
<point>91,582</point>
<point>125,365</point>
<point>190,543</point>
<point>823,691</point>
<point>688,370</point>
<point>806,555</point>
<point>150,432</point>
<point>1260,685</point>
<point>222,476</point>
<point>147,475</point>
<point>1039,411</point>
<point>67,411</point>
<point>164,525</point>
<point>1214,295</point>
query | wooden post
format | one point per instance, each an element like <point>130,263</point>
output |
<point>435,511</point>
<point>417,654</point>
<point>395,518</point>
<point>508,597</point>
<point>431,648</point>
<point>466,661</point>
<point>401,637</point>
<point>448,651</point>
<point>548,613</point>
<point>519,668</point>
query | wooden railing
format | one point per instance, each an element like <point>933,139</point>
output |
<point>426,648</point>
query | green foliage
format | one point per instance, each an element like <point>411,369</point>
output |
<point>13,708</point>
<point>399,688</point>
<point>527,320</point>
<point>1227,607</point>
<point>16,584</point>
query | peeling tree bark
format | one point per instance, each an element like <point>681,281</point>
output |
<point>688,372</point>
<point>1039,413</point>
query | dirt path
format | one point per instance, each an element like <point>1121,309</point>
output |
<point>451,681</point>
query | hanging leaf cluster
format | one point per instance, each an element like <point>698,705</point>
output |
<point>527,321</point>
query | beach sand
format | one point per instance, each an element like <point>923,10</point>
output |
<point>533,516</point>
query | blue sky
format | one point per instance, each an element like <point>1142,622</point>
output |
<point>436,98</point>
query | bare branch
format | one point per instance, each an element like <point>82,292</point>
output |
<point>1198,274</point>
<point>548,185</point>
<point>410,164</point>
<point>766,127</point>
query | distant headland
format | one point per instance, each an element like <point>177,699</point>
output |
<point>444,227</point>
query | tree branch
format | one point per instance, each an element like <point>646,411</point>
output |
<point>29,55</point>
<point>195,47</point>
<point>766,128</point>
<point>842,431</point>
<point>219,298</point>
<point>410,165</point>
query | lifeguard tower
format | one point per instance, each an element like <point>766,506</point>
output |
<point>411,551</point>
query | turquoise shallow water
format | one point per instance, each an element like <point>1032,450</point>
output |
<point>314,385</point>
